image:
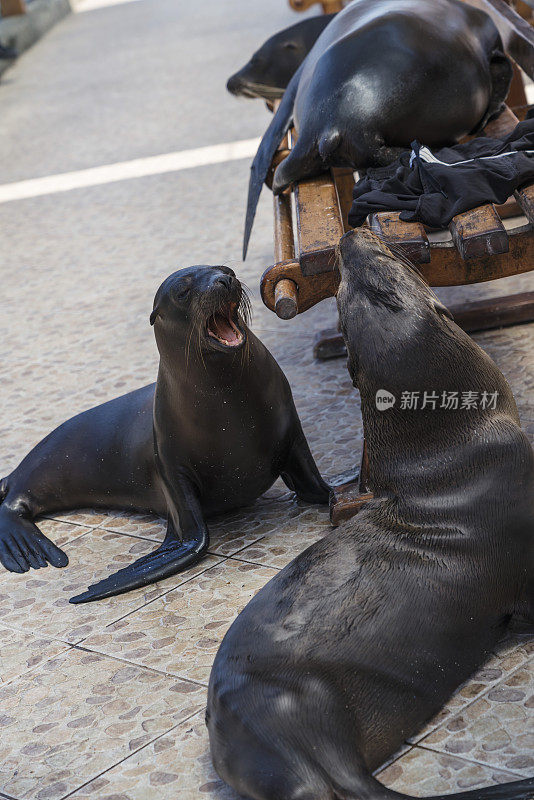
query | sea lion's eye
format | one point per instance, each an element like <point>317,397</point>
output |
<point>181,292</point>
<point>291,46</point>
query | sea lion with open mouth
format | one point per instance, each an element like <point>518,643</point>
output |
<point>268,72</point>
<point>213,433</point>
<point>358,642</point>
<point>381,74</point>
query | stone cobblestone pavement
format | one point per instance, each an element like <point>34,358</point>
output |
<point>106,701</point>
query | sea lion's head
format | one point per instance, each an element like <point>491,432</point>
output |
<point>386,308</point>
<point>202,307</point>
<point>270,69</point>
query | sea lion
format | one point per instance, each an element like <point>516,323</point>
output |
<point>361,639</point>
<point>381,74</point>
<point>7,53</point>
<point>270,69</point>
<point>213,433</point>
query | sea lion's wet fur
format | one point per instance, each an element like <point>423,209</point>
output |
<point>213,433</point>
<point>361,639</point>
<point>269,70</point>
<point>383,73</point>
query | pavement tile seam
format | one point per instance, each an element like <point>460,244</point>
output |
<point>400,754</point>
<point>62,519</point>
<point>80,649</point>
<point>132,754</point>
<point>464,708</point>
<point>76,536</point>
<point>166,592</point>
<point>431,729</point>
<point>139,669</point>
<point>29,670</point>
<point>19,629</point>
<point>419,746</point>
<point>131,535</point>
<point>136,664</point>
<point>501,743</point>
<point>212,552</point>
<point>255,563</point>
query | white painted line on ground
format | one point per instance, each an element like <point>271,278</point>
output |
<point>126,170</point>
<point>91,5</point>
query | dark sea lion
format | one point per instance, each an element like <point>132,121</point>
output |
<point>214,433</point>
<point>355,644</point>
<point>383,73</point>
<point>270,69</point>
<point>8,53</point>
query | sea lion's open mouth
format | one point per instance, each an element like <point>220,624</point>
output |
<point>222,327</point>
<point>260,91</point>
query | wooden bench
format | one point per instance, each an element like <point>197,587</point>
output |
<point>329,6</point>
<point>9,8</point>
<point>484,244</point>
<point>480,248</point>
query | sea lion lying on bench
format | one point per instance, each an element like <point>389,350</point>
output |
<point>269,70</point>
<point>381,74</point>
<point>360,640</point>
<point>214,433</point>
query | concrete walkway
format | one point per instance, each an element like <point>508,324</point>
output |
<point>106,701</point>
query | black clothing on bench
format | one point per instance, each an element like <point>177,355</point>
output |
<point>433,188</point>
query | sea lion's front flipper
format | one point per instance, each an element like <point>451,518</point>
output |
<point>523,620</point>
<point>22,545</point>
<point>173,556</point>
<point>186,542</point>
<point>300,473</point>
<point>280,124</point>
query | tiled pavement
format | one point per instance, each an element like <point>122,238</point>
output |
<point>106,700</point>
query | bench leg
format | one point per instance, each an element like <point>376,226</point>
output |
<point>481,315</point>
<point>329,344</point>
<point>497,312</point>
<point>346,500</point>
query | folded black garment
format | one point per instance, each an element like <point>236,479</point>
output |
<point>433,188</point>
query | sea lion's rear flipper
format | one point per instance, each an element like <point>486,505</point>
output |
<point>171,557</point>
<point>370,787</point>
<point>374,790</point>
<point>501,73</point>
<point>280,124</point>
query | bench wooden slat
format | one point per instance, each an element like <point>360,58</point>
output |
<point>284,244</point>
<point>409,236</point>
<point>329,6</point>
<point>502,126</point>
<point>525,198</point>
<point>11,8</point>
<point>344,182</point>
<point>479,232</point>
<point>319,224</point>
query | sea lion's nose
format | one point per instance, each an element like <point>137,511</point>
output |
<point>234,84</point>
<point>226,281</point>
